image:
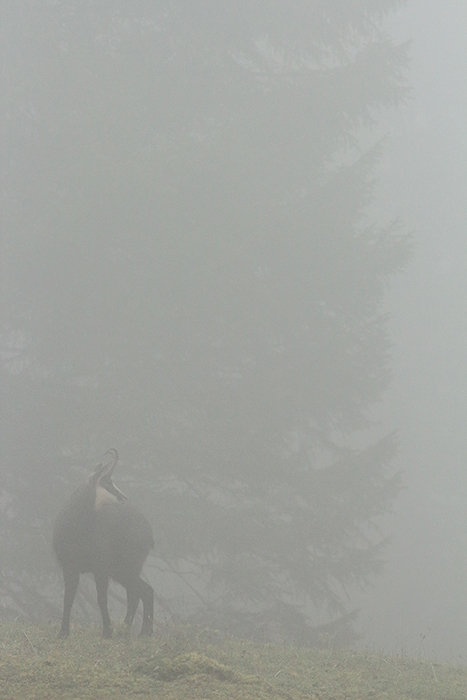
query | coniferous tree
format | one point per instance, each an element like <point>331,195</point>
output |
<point>205,286</point>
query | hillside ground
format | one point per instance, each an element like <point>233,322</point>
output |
<point>182,663</point>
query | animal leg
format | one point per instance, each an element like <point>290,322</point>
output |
<point>146,594</point>
<point>102,584</point>
<point>132,599</point>
<point>71,578</point>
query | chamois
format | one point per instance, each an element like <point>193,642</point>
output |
<point>98,532</point>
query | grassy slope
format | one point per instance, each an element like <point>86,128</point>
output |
<point>181,664</point>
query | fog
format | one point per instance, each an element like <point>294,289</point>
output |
<point>418,604</point>
<point>233,249</point>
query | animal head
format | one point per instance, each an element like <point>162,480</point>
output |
<point>106,493</point>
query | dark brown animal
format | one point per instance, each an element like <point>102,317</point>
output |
<point>98,532</point>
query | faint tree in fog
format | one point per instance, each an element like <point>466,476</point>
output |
<point>198,283</point>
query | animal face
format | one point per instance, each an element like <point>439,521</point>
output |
<point>107,494</point>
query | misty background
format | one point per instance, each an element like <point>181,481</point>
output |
<point>418,604</point>
<point>130,138</point>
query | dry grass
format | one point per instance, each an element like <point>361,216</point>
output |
<point>181,663</point>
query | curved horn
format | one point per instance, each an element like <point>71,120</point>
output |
<point>112,451</point>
